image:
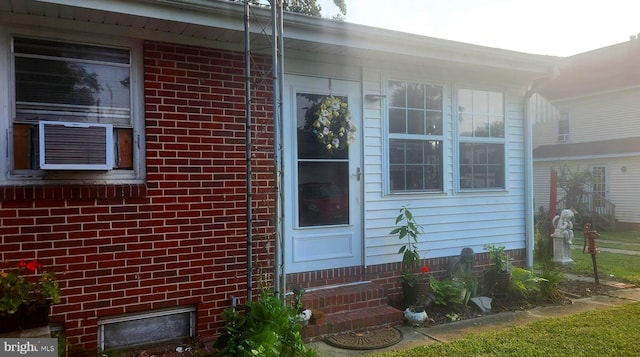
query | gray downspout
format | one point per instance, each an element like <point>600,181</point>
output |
<point>247,86</point>
<point>277,72</point>
<point>280,69</point>
<point>535,87</point>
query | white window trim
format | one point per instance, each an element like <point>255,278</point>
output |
<point>484,140</point>
<point>386,137</point>
<point>567,136</point>
<point>7,113</point>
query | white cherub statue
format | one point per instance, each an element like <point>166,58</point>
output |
<point>564,225</point>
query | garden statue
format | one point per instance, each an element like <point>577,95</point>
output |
<point>563,236</point>
<point>462,264</point>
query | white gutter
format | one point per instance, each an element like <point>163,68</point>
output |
<point>529,210</point>
<point>355,37</point>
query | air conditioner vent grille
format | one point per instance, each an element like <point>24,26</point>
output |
<point>75,146</point>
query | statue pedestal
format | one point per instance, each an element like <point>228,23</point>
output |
<point>561,251</point>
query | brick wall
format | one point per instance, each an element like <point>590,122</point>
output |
<point>180,238</point>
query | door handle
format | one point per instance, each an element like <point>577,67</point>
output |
<point>358,174</point>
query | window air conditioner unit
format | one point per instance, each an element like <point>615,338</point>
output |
<point>75,146</point>
<point>563,138</point>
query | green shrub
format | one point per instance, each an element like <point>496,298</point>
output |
<point>542,252</point>
<point>550,286</point>
<point>524,284</point>
<point>266,328</point>
<point>446,291</point>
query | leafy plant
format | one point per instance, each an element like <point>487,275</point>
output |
<point>542,250</point>
<point>446,291</point>
<point>267,327</point>
<point>499,257</point>
<point>573,183</point>
<point>452,316</point>
<point>408,277</point>
<point>524,283</point>
<point>550,286</point>
<point>20,285</point>
<point>469,285</point>
<point>408,229</point>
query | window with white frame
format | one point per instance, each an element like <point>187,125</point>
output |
<point>415,137</point>
<point>563,128</point>
<point>79,83</point>
<point>481,134</point>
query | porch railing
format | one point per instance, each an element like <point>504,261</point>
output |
<point>594,208</point>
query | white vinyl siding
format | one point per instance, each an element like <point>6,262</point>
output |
<point>604,116</point>
<point>610,116</point>
<point>452,220</point>
<point>621,184</point>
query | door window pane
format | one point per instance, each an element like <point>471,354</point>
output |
<point>323,175</point>
<point>323,193</point>
<point>308,145</point>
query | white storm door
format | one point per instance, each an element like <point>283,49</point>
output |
<point>322,187</point>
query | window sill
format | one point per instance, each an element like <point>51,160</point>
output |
<point>71,192</point>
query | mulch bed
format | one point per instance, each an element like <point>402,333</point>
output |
<point>572,289</point>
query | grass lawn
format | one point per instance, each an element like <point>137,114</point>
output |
<point>610,332</point>
<point>621,266</point>
<point>627,237</point>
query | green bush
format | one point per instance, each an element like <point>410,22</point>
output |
<point>550,286</point>
<point>266,328</point>
<point>446,291</point>
<point>525,284</point>
<point>542,252</point>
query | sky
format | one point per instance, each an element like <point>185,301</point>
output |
<point>547,27</point>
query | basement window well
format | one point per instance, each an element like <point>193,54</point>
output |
<point>151,327</point>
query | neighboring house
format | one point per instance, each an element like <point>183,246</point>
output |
<point>149,239</point>
<point>596,126</point>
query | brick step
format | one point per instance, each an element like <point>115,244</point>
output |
<point>348,308</point>
<point>345,298</point>
<point>353,320</point>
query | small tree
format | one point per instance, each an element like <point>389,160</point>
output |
<point>573,183</point>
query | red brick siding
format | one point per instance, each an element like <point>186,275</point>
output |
<point>179,239</point>
<point>388,275</point>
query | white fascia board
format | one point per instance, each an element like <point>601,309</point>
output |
<point>355,36</point>
<point>199,12</point>
<point>589,157</point>
<point>229,15</point>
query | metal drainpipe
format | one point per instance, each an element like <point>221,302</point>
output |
<point>280,69</point>
<point>278,76</point>
<point>247,60</point>
<point>528,170</point>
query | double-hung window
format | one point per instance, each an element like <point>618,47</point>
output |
<point>78,83</point>
<point>481,135</point>
<point>564,128</point>
<point>415,137</point>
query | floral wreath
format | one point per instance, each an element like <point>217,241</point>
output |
<point>333,126</point>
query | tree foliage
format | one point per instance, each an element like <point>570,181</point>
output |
<point>306,7</point>
<point>574,183</point>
